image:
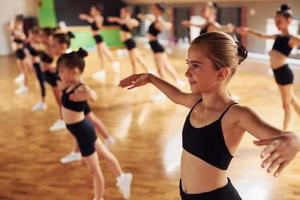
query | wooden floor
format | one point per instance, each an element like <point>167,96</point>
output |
<point>148,138</point>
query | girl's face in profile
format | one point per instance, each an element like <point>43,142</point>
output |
<point>201,73</point>
<point>281,22</point>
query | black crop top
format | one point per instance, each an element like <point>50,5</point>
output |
<point>72,105</point>
<point>32,50</point>
<point>124,28</point>
<point>153,30</point>
<point>207,143</point>
<point>94,26</point>
<point>281,44</point>
<point>46,58</point>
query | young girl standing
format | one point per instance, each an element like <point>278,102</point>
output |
<point>283,45</point>
<point>74,99</point>
<point>216,124</point>
<point>95,19</point>
<point>127,23</point>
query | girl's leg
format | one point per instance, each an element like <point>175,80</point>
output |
<point>107,52</point>
<point>24,88</point>
<point>112,161</point>
<point>169,68</point>
<point>101,55</point>
<point>92,162</point>
<point>123,180</point>
<point>133,60</point>
<point>98,125</point>
<point>286,95</point>
<point>158,57</point>
<point>295,103</point>
<point>140,59</point>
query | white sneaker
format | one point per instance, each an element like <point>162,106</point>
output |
<point>99,75</point>
<point>58,125</point>
<point>71,157</point>
<point>109,141</point>
<point>20,78</point>
<point>39,106</point>
<point>21,90</point>
<point>116,66</point>
<point>124,184</point>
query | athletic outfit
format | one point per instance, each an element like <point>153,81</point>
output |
<point>50,77</point>
<point>283,75</point>
<point>208,144</point>
<point>98,38</point>
<point>83,131</point>
<point>20,53</point>
<point>129,43</point>
<point>37,68</point>
<point>154,44</point>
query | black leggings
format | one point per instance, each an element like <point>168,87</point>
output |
<point>283,75</point>
<point>85,135</point>
<point>228,192</point>
<point>40,77</point>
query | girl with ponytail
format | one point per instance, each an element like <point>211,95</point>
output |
<point>216,124</point>
<point>283,45</point>
<point>74,99</point>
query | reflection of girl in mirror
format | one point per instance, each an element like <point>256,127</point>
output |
<point>283,45</point>
<point>209,12</point>
<point>95,19</point>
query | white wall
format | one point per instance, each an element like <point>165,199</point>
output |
<point>8,9</point>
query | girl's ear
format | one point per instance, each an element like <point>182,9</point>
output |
<point>76,71</point>
<point>224,73</point>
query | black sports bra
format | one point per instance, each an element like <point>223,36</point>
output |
<point>124,28</point>
<point>72,105</point>
<point>281,44</point>
<point>94,26</point>
<point>207,143</point>
<point>153,30</point>
<point>32,50</point>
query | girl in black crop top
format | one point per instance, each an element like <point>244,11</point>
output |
<point>158,24</point>
<point>74,99</point>
<point>18,39</point>
<point>95,19</point>
<point>127,24</point>
<point>209,13</point>
<point>216,124</point>
<point>283,45</point>
<point>33,45</point>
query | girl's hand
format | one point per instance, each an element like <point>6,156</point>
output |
<point>82,16</point>
<point>82,93</point>
<point>112,19</point>
<point>242,30</point>
<point>280,151</point>
<point>135,80</point>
